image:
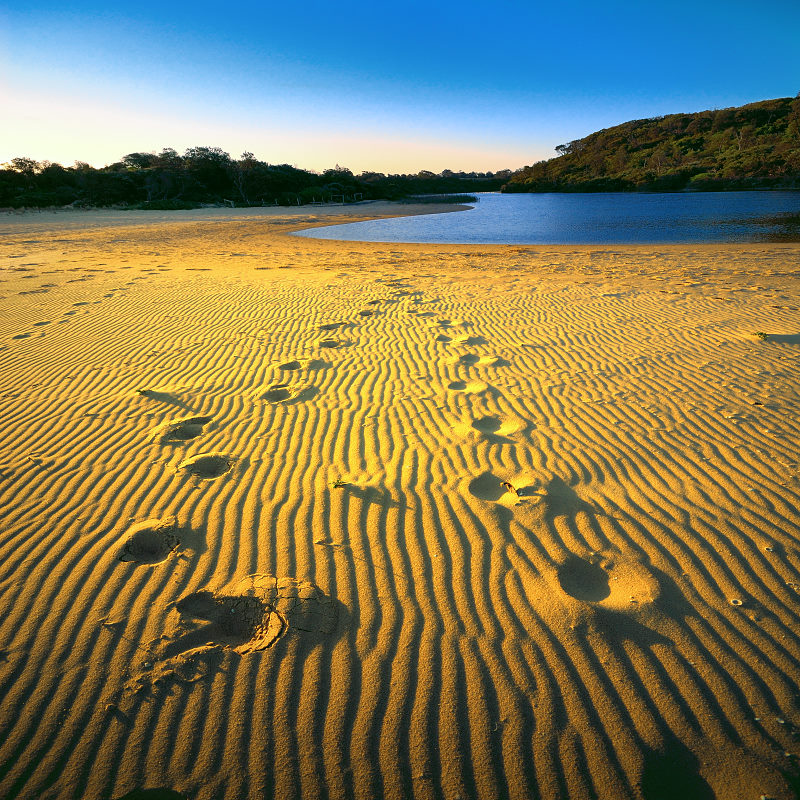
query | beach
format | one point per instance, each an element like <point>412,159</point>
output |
<point>285,517</point>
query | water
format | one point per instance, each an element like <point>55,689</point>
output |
<point>613,218</point>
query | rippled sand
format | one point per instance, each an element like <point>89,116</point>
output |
<point>283,517</point>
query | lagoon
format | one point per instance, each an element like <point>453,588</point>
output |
<point>607,218</point>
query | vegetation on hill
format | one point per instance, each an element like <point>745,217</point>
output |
<point>208,175</point>
<point>751,147</point>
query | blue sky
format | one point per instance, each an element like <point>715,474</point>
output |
<point>374,86</point>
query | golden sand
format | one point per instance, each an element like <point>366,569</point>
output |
<point>294,518</point>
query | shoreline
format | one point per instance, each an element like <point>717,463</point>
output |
<point>302,218</point>
<point>108,217</point>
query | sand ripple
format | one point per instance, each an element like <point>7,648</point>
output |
<point>528,528</point>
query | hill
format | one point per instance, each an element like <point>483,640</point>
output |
<point>750,147</point>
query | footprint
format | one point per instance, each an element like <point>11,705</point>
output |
<point>181,430</point>
<point>151,541</point>
<point>487,424</point>
<point>252,614</point>
<point>330,343</point>
<point>468,359</point>
<point>609,581</point>
<point>306,363</point>
<point>21,336</point>
<point>557,498</point>
<point>207,465</point>
<point>278,393</point>
<point>494,429</point>
<point>285,392</point>
<point>471,340</point>
<point>443,337</point>
<point>472,387</point>
<point>331,326</point>
<point>40,324</point>
<point>160,396</point>
<point>486,487</point>
<point>494,361</point>
<point>243,622</point>
<point>584,580</point>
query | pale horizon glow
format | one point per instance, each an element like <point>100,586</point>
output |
<point>374,89</point>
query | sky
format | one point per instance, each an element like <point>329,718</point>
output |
<point>374,86</point>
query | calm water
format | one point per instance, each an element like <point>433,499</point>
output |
<point>615,218</point>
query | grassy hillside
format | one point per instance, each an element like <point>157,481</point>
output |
<point>753,146</point>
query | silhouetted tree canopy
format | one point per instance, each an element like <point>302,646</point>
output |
<point>208,175</point>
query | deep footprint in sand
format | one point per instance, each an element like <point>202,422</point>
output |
<point>252,614</point>
<point>468,360</point>
<point>470,387</point>
<point>487,424</point>
<point>151,541</point>
<point>277,394</point>
<point>180,430</point>
<point>486,487</point>
<point>207,465</point>
<point>608,581</point>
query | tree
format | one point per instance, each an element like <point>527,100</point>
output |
<point>209,167</point>
<point>139,160</point>
<point>242,171</point>
<point>25,166</point>
<point>169,159</point>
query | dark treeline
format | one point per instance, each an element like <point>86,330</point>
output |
<point>751,147</point>
<point>208,175</point>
